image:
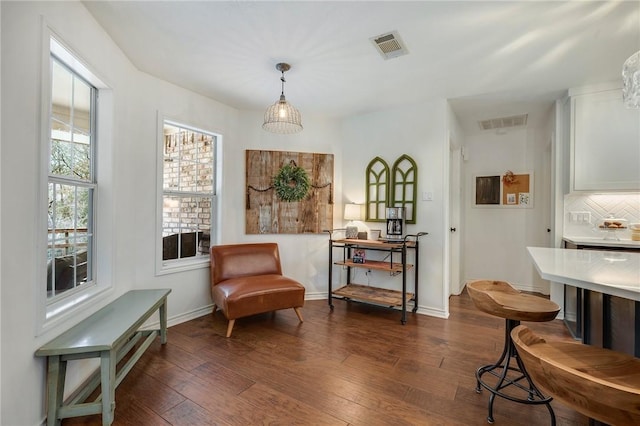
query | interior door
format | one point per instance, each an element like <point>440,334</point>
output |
<point>455,160</point>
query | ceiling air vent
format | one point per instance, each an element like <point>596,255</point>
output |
<point>504,122</point>
<point>389,45</point>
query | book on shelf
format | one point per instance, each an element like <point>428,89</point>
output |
<point>358,256</point>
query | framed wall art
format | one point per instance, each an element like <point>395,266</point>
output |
<point>288,192</point>
<point>508,189</point>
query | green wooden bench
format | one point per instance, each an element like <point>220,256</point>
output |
<point>109,334</point>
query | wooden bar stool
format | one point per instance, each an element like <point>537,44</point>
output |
<point>600,383</point>
<point>500,299</point>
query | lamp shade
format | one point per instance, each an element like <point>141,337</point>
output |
<point>352,212</point>
<point>282,117</point>
<point>631,81</point>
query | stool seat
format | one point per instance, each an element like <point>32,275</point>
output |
<point>500,299</point>
<point>599,383</point>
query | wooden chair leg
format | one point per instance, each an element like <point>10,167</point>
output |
<point>299,314</point>
<point>230,327</point>
<point>215,308</point>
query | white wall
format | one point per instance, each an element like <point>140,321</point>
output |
<point>420,132</point>
<point>304,256</point>
<point>456,212</point>
<point>22,31</point>
<point>496,238</point>
<point>128,216</point>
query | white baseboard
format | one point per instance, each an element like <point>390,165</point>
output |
<point>206,310</point>
<point>438,313</point>
<point>179,319</point>
<point>315,296</point>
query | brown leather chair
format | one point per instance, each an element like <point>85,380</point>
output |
<point>246,279</point>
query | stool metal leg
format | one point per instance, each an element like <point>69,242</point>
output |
<point>534,396</point>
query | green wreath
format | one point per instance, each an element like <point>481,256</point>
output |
<point>291,183</point>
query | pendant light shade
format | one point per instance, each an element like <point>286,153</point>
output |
<point>631,81</point>
<point>282,117</point>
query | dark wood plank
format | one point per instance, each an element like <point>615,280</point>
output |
<point>355,365</point>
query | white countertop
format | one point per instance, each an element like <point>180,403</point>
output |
<point>592,241</point>
<point>608,272</point>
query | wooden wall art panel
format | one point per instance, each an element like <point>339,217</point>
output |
<point>288,192</point>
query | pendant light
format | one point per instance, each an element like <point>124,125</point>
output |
<point>631,81</point>
<point>282,117</point>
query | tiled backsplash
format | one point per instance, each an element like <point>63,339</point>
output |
<point>582,213</point>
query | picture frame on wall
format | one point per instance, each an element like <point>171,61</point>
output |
<point>505,190</point>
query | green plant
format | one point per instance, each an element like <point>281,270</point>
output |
<point>291,183</point>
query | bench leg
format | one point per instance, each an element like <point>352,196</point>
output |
<point>230,327</point>
<point>108,360</point>
<point>299,314</point>
<point>55,388</point>
<point>163,322</point>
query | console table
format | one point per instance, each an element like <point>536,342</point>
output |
<point>393,266</point>
<point>109,334</point>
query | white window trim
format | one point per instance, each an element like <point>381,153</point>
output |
<point>51,313</point>
<point>164,267</point>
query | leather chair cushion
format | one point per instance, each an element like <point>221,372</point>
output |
<point>242,260</point>
<point>250,295</point>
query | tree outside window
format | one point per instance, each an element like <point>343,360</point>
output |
<point>71,181</point>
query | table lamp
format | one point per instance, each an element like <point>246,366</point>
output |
<point>352,212</point>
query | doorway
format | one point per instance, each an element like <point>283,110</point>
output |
<point>455,194</point>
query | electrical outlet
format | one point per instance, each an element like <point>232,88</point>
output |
<point>580,217</point>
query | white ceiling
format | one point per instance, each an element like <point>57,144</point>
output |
<point>490,58</point>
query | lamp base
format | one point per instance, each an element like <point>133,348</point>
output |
<point>352,232</point>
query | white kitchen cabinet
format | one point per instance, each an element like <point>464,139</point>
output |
<point>605,143</point>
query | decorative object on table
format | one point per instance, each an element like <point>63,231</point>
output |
<point>352,212</point>
<point>391,187</point>
<point>282,117</point>
<point>635,231</point>
<point>513,190</point>
<point>288,192</point>
<point>359,256</point>
<point>611,225</point>
<point>362,235</point>
<point>395,222</point>
<point>375,234</point>
<point>631,81</point>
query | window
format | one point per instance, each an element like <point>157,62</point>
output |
<point>71,180</point>
<point>188,189</point>
<point>77,111</point>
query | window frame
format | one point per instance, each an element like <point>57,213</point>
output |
<point>90,184</point>
<point>54,310</point>
<point>200,261</point>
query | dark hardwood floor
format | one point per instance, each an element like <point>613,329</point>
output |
<point>356,365</point>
